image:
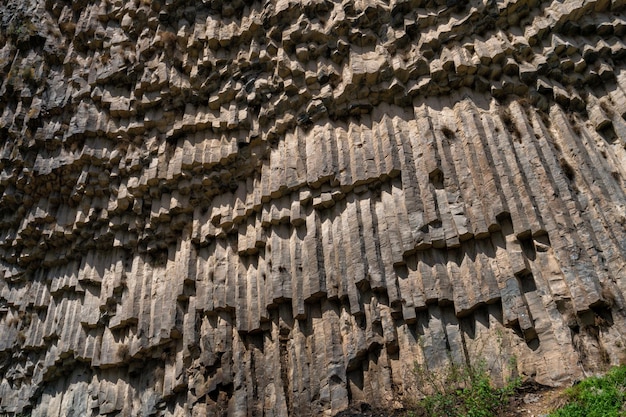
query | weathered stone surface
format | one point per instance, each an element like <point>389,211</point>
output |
<point>277,207</point>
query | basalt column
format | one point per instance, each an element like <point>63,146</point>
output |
<point>272,208</point>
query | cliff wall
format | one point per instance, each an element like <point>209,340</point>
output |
<point>254,208</point>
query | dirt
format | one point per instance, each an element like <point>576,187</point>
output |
<point>534,400</point>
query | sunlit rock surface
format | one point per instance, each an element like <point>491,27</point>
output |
<point>276,208</point>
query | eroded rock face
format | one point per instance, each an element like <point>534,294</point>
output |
<point>272,208</point>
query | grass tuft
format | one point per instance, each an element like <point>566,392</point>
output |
<point>596,396</point>
<point>462,390</point>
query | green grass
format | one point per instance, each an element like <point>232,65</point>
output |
<point>597,396</point>
<point>462,390</point>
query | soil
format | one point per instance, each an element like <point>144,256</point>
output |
<point>530,400</point>
<point>534,400</point>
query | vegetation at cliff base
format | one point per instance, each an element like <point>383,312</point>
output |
<point>597,396</point>
<point>462,390</point>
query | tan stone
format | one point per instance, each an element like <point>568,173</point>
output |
<point>277,208</point>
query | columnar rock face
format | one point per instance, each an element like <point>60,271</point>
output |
<point>269,208</point>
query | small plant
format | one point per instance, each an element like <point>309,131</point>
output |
<point>597,396</point>
<point>509,123</point>
<point>105,57</point>
<point>21,29</point>
<point>28,73</point>
<point>169,39</point>
<point>123,352</point>
<point>462,390</point>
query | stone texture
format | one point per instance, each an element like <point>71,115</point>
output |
<point>276,208</point>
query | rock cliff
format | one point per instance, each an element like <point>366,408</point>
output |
<point>270,208</point>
